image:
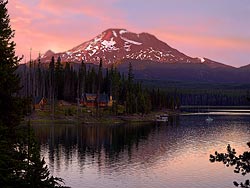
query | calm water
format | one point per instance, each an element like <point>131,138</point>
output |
<point>150,155</point>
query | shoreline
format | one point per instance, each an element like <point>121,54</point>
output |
<point>44,117</point>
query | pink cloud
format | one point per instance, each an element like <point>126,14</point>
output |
<point>101,10</point>
<point>202,40</point>
<point>226,50</point>
<point>53,25</point>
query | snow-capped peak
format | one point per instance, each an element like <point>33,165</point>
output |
<point>113,45</point>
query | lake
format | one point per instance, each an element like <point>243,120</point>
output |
<point>171,155</point>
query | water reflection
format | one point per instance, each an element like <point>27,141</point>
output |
<point>142,155</point>
<point>215,111</point>
<point>91,140</point>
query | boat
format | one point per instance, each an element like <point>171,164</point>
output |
<point>162,118</point>
<point>209,119</point>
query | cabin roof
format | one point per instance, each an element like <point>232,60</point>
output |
<point>92,97</point>
<point>37,100</point>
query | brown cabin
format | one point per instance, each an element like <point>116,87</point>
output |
<point>89,100</point>
<point>39,103</point>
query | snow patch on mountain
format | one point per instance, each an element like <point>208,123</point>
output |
<point>109,45</point>
<point>114,33</point>
<point>131,41</point>
<point>97,39</point>
<point>127,46</point>
<point>122,31</point>
<point>202,59</point>
<point>92,52</point>
<point>116,44</point>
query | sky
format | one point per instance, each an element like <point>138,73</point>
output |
<point>215,29</point>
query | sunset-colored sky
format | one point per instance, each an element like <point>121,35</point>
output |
<point>216,29</point>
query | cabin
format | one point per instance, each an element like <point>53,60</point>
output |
<point>39,103</point>
<point>89,100</point>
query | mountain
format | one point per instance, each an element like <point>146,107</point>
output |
<point>151,58</point>
<point>114,45</point>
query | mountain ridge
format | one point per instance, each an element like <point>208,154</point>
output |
<point>152,59</point>
<point>114,45</point>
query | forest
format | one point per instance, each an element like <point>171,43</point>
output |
<point>69,81</point>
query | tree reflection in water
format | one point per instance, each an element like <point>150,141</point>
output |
<point>90,140</point>
<point>157,154</point>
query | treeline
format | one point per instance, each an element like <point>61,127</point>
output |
<point>68,81</point>
<point>204,94</point>
<point>212,97</point>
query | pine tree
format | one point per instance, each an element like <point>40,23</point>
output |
<point>92,79</point>
<point>35,173</point>
<point>67,82</point>
<point>82,79</point>
<point>98,90</point>
<point>16,160</point>
<point>52,85</point>
<point>129,96</point>
<point>59,81</point>
<point>9,85</point>
<point>9,81</point>
<point>114,88</point>
<point>38,71</point>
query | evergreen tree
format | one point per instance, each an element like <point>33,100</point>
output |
<point>130,74</point>
<point>59,81</point>
<point>67,82</point>
<point>239,162</point>
<point>9,81</point>
<point>38,87</point>
<point>82,79</point>
<point>115,88</point>
<point>52,85</point>
<point>16,159</point>
<point>9,104</point>
<point>99,83</point>
<point>130,96</point>
<point>92,79</point>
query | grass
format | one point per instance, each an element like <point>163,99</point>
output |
<point>69,114</point>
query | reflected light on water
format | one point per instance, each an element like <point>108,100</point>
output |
<point>146,155</point>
